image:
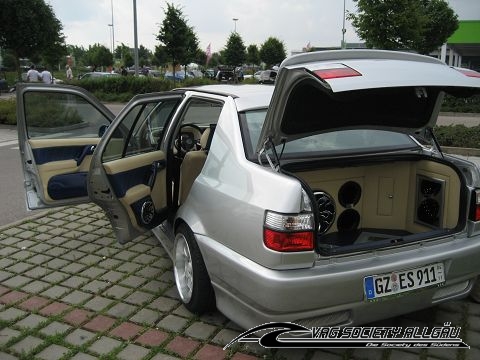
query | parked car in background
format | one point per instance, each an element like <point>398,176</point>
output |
<point>322,200</point>
<point>195,73</point>
<point>267,77</point>
<point>229,74</point>
<point>179,75</point>
<point>257,75</point>
<point>225,76</point>
<point>97,75</point>
<point>209,73</point>
<point>154,73</point>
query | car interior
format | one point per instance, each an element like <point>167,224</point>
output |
<point>191,144</point>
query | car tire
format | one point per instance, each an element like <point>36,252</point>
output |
<point>191,276</point>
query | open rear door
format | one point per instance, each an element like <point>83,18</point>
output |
<point>128,176</point>
<point>58,130</point>
<point>74,151</point>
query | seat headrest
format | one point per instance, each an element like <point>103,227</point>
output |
<point>204,138</point>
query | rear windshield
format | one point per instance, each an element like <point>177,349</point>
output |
<point>341,142</point>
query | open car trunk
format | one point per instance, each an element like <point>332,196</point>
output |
<point>371,201</point>
<point>389,201</point>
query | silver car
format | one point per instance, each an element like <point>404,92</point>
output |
<point>324,200</point>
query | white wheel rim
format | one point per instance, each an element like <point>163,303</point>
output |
<point>183,268</point>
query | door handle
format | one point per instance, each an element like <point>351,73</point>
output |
<point>87,150</point>
<point>156,167</point>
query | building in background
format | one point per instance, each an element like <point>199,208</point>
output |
<point>463,47</point>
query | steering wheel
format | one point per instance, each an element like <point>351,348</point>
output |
<point>187,140</point>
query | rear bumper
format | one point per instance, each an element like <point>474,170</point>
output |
<point>331,292</point>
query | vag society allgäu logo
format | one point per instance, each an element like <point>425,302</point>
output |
<point>290,335</point>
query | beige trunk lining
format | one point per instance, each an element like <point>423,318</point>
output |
<point>389,192</point>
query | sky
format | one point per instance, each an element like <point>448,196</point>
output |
<point>296,23</point>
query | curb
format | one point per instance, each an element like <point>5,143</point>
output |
<point>461,151</point>
<point>459,114</point>
<point>29,218</point>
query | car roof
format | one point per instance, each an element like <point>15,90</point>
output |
<point>246,96</point>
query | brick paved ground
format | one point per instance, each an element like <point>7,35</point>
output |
<point>69,291</point>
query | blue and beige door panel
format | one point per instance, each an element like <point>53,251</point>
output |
<point>139,183</point>
<point>63,165</point>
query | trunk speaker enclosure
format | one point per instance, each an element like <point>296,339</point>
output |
<point>326,210</point>
<point>348,220</point>
<point>349,194</point>
<point>430,201</point>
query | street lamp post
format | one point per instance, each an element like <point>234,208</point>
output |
<point>235,26</point>
<point>343,28</point>
<point>111,41</point>
<point>113,28</point>
<point>135,36</point>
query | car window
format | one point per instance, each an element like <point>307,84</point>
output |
<point>140,130</point>
<point>356,140</point>
<point>202,112</point>
<point>54,115</point>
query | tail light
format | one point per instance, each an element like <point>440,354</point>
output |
<point>340,71</point>
<point>475,206</point>
<point>289,232</point>
<point>468,72</point>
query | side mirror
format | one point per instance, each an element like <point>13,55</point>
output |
<point>102,130</point>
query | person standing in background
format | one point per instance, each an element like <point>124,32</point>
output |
<point>32,74</point>
<point>69,73</point>
<point>46,76</point>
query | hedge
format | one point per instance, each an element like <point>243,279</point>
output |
<point>463,105</point>
<point>122,88</point>
<point>8,112</point>
<point>458,136</point>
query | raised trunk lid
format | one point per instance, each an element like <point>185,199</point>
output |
<point>326,91</point>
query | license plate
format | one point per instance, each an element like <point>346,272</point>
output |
<point>397,282</point>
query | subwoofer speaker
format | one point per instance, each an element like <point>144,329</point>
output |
<point>348,220</point>
<point>326,210</point>
<point>430,201</point>
<point>349,194</point>
<point>148,212</point>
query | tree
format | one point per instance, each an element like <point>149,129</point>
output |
<point>29,29</point>
<point>128,59</point>
<point>191,50</point>
<point>9,60</point>
<point>99,55</point>
<point>421,25</point>
<point>234,53</point>
<point>175,35</point>
<point>160,56</point>
<point>215,60</point>
<point>441,23</point>
<point>253,55</point>
<point>53,54</point>
<point>272,52</point>
<point>124,53</point>
<point>144,56</point>
<point>201,57</point>
<point>77,53</point>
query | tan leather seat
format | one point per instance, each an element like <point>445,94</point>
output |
<point>192,165</point>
